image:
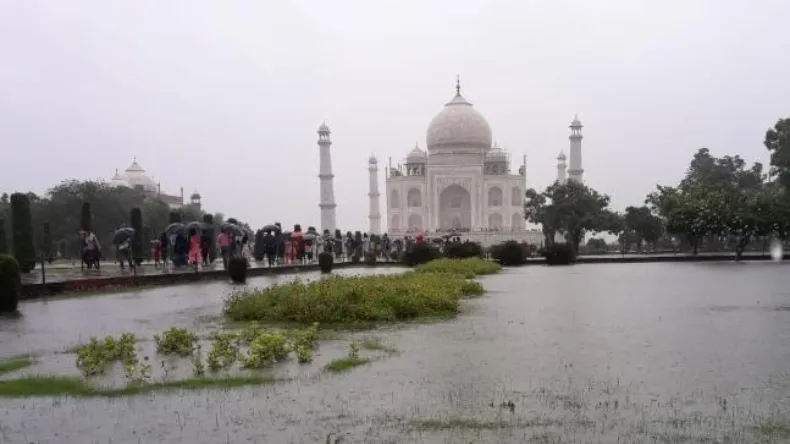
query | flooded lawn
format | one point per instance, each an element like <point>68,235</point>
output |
<point>590,353</point>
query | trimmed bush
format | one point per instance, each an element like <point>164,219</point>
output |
<point>174,217</point>
<point>509,253</point>
<point>10,283</point>
<point>22,226</point>
<point>468,268</point>
<point>237,269</point>
<point>46,243</point>
<point>352,299</point>
<point>420,254</point>
<point>86,219</point>
<point>325,262</point>
<point>3,238</point>
<point>462,250</point>
<point>257,250</point>
<point>138,245</point>
<point>559,254</point>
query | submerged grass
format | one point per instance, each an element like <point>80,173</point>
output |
<point>14,364</point>
<point>70,386</point>
<point>353,299</point>
<point>347,363</point>
<point>468,268</point>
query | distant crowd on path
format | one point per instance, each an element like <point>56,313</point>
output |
<point>193,247</point>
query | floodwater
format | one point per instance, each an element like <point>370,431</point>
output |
<point>662,352</point>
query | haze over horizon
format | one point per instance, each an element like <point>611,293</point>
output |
<point>226,98</point>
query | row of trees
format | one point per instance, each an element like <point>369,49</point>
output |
<point>720,203</point>
<point>57,216</point>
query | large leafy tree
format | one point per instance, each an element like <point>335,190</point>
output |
<point>643,226</point>
<point>571,208</point>
<point>777,140</point>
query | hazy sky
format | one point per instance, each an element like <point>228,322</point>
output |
<point>226,97</point>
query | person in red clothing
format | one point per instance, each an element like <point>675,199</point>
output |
<point>156,252</point>
<point>224,241</point>
<point>195,258</point>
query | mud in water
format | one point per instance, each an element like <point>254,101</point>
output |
<point>589,353</point>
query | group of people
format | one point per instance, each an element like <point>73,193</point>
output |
<point>193,248</point>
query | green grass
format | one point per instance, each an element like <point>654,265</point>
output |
<point>468,268</point>
<point>70,386</point>
<point>353,300</point>
<point>375,344</point>
<point>344,364</point>
<point>14,364</point>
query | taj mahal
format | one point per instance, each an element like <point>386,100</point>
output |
<point>462,183</point>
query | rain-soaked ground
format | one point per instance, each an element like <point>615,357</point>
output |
<point>657,352</point>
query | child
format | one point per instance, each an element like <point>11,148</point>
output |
<point>195,257</point>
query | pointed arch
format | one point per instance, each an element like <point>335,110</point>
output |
<point>495,197</point>
<point>516,197</point>
<point>394,199</point>
<point>414,198</point>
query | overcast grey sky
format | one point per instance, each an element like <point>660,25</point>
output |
<point>226,97</point>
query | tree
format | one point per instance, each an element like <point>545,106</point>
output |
<point>175,217</point>
<point>777,141</point>
<point>645,226</point>
<point>571,208</point>
<point>46,241</point>
<point>22,231</point>
<point>86,221</point>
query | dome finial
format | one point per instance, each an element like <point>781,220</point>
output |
<point>457,85</point>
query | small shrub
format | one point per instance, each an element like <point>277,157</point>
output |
<point>3,238</point>
<point>237,269</point>
<point>559,254</point>
<point>10,284</point>
<point>509,253</point>
<point>265,350</point>
<point>420,254</point>
<point>325,262</point>
<point>351,299</point>
<point>462,250</point>
<point>224,351</point>
<point>176,340</point>
<point>468,268</point>
<point>94,357</point>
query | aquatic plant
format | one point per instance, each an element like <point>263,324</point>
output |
<point>350,361</point>
<point>265,350</point>
<point>10,284</point>
<point>468,268</point>
<point>224,351</point>
<point>176,340</point>
<point>198,367</point>
<point>94,357</point>
<point>350,299</point>
<point>138,373</point>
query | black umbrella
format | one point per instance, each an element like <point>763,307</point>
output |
<point>271,228</point>
<point>232,229</point>
<point>199,226</point>
<point>175,228</point>
<point>122,235</point>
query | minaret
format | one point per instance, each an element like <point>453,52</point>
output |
<point>575,168</point>
<point>327,204</point>
<point>375,214</point>
<point>561,167</point>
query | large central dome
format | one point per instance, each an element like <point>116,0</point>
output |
<point>459,127</point>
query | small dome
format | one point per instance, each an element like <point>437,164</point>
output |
<point>496,154</point>
<point>323,128</point>
<point>372,160</point>
<point>117,181</point>
<point>416,155</point>
<point>195,196</point>
<point>135,176</point>
<point>561,156</point>
<point>576,123</point>
<point>459,125</point>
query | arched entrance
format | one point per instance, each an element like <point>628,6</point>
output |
<point>455,208</point>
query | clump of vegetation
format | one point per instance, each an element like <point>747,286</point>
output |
<point>352,299</point>
<point>237,269</point>
<point>325,261</point>
<point>559,254</point>
<point>265,350</point>
<point>14,364</point>
<point>352,360</point>
<point>224,351</point>
<point>420,253</point>
<point>510,253</point>
<point>468,268</point>
<point>463,250</point>
<point>96,356</point>
<point>176,340</point>
<point>10,284</point>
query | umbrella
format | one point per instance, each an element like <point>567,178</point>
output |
<point>122,235</point>
<point>199,226</point>
<point>174,228</point>
<point>271,228</point>
<point>232,229</point>
<point>309,236</point>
